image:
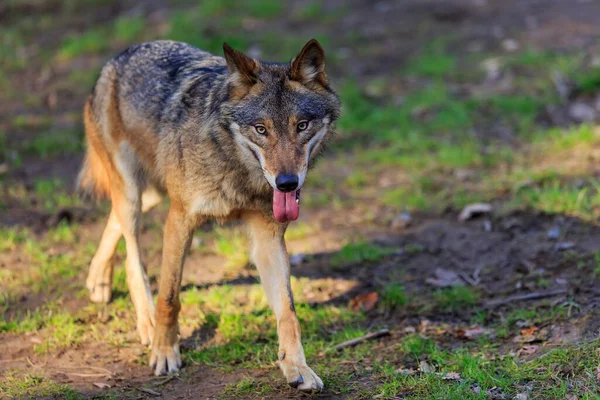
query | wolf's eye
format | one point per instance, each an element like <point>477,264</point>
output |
<point>302,126</point>
<point>260,129</point>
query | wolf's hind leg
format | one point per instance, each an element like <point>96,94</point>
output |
<point>126,199</point>
<point>99,280</point>
<point>100,275</point>
<point>270,256</point>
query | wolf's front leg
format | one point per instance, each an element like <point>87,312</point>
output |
<point>165,356</point>
<point>270,256</point>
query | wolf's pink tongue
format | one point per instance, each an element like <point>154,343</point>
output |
<point>285,206</point>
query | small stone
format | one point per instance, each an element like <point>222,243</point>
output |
<point>410,329</point>
<point>383,6</point>
<point>197,241</point>
<point>492,68</point>
<point>510,45</point>
<point>562,246</point>
<point>254,51</point>
<point>554,233</point>
<point>297,259</point>
<point>581,112</point>
<point>487,225</point>
<point>402,221</point>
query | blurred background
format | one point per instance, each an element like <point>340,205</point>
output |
<point>456,207</point>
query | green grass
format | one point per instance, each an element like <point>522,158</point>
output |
<point>456,298</point>
<point>55,143</point>
<point>358,252</point>
<point>433,62</point>
<point>128,29</point>
<point>393,296</point>
<point>561,198</point>
<point>90,42</point>
<point>232,244</point>
<point>244,387</point>
<point>34,386</point>
<point>11,237</point>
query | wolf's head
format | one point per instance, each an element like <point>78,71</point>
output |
<point>281,114</point>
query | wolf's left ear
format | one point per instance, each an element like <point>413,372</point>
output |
<point>309,65</point>
<point>244,67</point>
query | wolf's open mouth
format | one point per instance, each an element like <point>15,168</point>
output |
<point>286,206</point>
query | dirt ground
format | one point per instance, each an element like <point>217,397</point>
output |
<point>514,259</point>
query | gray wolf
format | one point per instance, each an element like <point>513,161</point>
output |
<point>224,138</point>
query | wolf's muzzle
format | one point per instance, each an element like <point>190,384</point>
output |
<point>286,182</point>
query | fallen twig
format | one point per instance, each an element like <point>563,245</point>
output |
<point>165,380</point>
<point>149,391</point>
<point>354,342</point>
<point>34,365</point>
<point>521,297</point>
<point>86,375</point>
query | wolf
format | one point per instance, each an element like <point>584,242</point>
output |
<point>224,138</point>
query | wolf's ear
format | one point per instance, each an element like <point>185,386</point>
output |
<point>309,65</point>
<point>240,65</point>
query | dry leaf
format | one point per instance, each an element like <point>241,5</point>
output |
<point>451,376</point>
<point>528,350</point>
<point>102,385</point>
<point>474,209</point>
<point>426,368</point>
<point>406,371</point>
<point>524,339</point>
<point>529,331</point>
<point>473,333</point>
<point>365,302</point>
<point>444,278</point>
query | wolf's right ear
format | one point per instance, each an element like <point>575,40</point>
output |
<point>243,68</point>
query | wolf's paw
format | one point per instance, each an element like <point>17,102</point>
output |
<point>100,289</point>
<point>145,325</point>
<point>165,359</point>
<point>302,377</point>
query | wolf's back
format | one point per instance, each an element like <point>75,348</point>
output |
<point>160,83</point>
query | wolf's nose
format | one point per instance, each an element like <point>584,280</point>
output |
<point>286,182</point>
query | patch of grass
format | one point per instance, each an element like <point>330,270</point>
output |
<point>11,237</point>
<point>358,252</point>
<point>34,386</point>
<point>52,194</point>
<point>63,233</point>
<point>433,62</point>
<point>127,29</point>
<point>233,245</point>
<point>66,332</point>
<point>560,198</point>
<point>245,387</point>
<point>53,143</point>
<point>456,298</point>
<point>264,8</point>
<point>393,296</point>
<point>589,81</point>
<point>418,346</point>
<point>410,198</point>
<point>299,230</point>
<point>185,28</point>
<point>92,41</point>
<point>311,10</point>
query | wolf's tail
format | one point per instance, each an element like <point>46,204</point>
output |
<point>93,179</point>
